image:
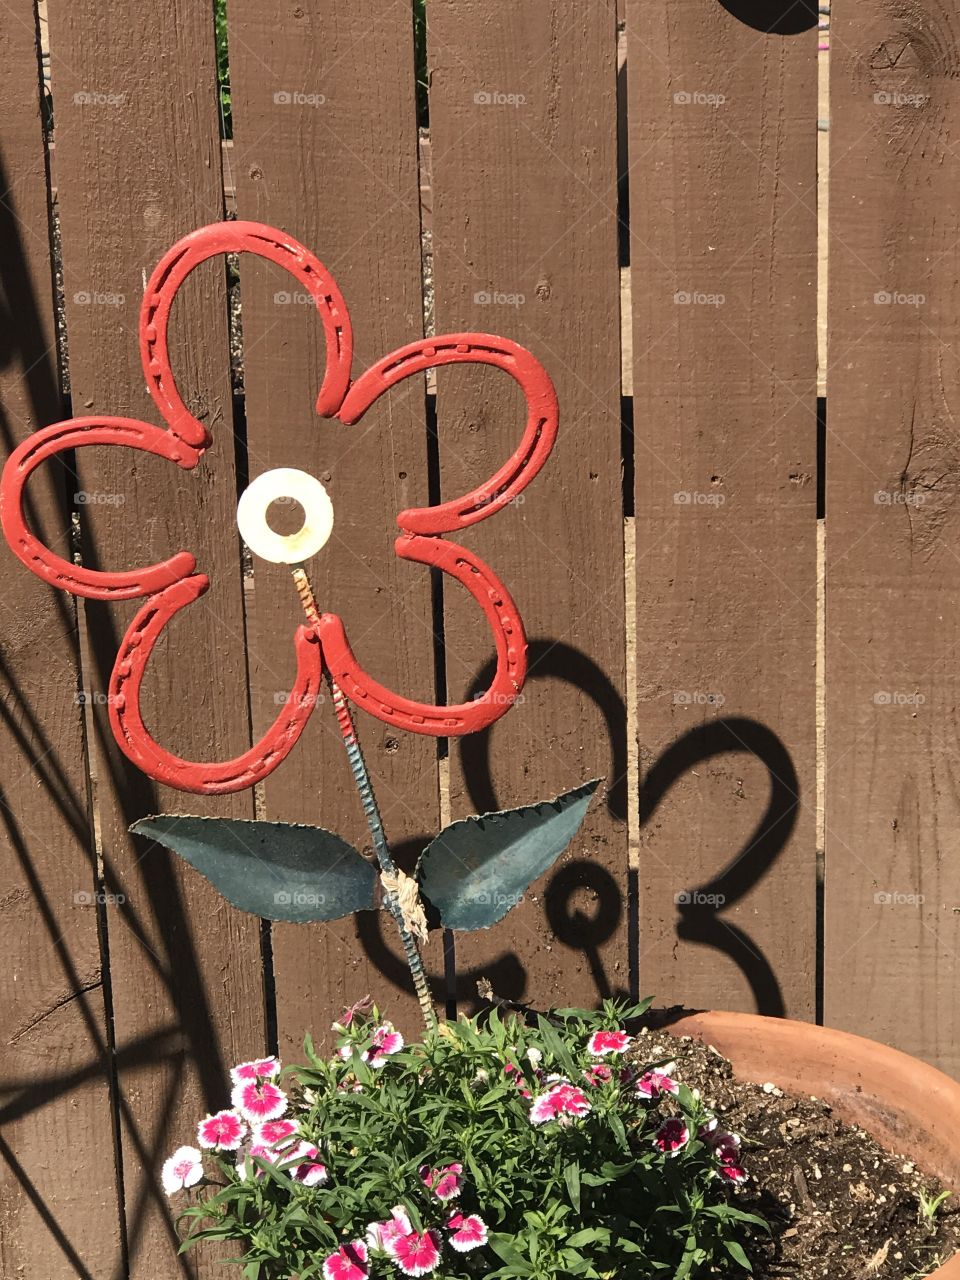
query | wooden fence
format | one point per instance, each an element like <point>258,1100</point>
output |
<point>743,599</point>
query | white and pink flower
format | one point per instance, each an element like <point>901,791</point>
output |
<point>604,1042</point>
<point>672,1136</point>
<point>469,1232</point>
<point>258,1100</point>
<point>385,1042</point>
<point>221,1132</point>
<point>564,1102</point>
<point>348,1263</point>
<point>654,1083</point>
<point>418,1253</point>
<point>258,1069</point>
<point>383,1235</point>
<point>259,1151</point>
<point>183,1169</point>
<point>445,1182</point>
<point>275,1133</point>
<point>598,1073</point>
<point>311,1171</point>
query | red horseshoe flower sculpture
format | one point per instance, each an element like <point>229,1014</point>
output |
<point>174,583</point>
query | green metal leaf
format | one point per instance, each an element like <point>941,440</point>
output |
<point>477,869</point>
<point>278,870</point>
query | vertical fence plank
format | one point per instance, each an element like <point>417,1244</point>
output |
<point>138,165</point>
<point>893,571</point>
<point>325,147</point>
<point>523,125</point>
<point>723,265</point>
<point>55,1062</point>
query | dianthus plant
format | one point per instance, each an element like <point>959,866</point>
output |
<point>493,1148</point>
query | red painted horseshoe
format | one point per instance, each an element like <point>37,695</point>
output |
<point>505,622</point>
<point>264,242</point>
<point>61,436</point>
<point>146,753</point>
<point>520,468</point>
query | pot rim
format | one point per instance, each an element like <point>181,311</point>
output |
<point>909,1107</point>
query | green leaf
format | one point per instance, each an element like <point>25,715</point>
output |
<point>478,868</point>
<point>737,1254</point>
<point>571,1176</point>
<point>278,870</point>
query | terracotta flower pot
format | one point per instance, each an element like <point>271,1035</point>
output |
<point>910,1108</point>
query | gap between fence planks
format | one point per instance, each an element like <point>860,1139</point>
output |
<point>325,147</point>
<point>186,968</point>
<point>722,152</point>
<point>893,539</point>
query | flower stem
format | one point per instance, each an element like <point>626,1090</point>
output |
<point>371,810</point>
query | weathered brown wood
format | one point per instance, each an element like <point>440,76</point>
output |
<point>723,263</point>
<point>325,147</point>
<point>523,124</point>
<point>138,161</point>
<point>54,1219</point>
<point>893,574</point>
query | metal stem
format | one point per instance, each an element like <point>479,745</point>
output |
<point>371,810</point>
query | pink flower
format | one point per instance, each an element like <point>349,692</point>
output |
<point>259,1151</point>
<point>348,1263</point>
<point>514,1073</point>
<point>416,1254</point>
<point>560,1103</point>
<point>726,1146</point>
<point>386,1040</point>
<point>672,1136</point>
<point>603,1042</point>
<point>653,1083</point>
<point>383,1235</point>
<point>733,1172</point>
<point>311,1172</point>
<point>598,1073</point>
<point>359,1009</point>
<point>259,1069</point>
<point>274,1133</point>
<point>222,1132</point>
<point>258,1100</point>
<point>445,1182</point>
<point>468,1233</point>
<point>183,1169</point>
